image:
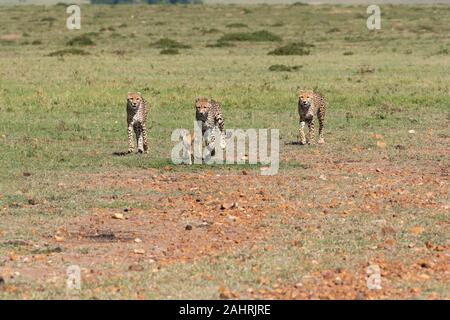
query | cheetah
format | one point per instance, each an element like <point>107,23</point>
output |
<point>137,120</point>
<point>310,105</point>
<point>209,113</point>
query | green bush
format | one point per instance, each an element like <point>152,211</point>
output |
<point>282,67</point>
<point>169,51</point>
<point>72,51</point>
<point>257,36</point>
<point>166,43</point>
<point>293,49</point>
<point>82,40</point>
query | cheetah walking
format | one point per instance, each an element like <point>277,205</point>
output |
<point>137,121</point>
<point>310,105</point>
<point>209,113</point>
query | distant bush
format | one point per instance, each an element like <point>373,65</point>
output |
<point>169,51</point>
<point>298,3</point>
<point>166,43</point>
<point>348,53</point>
<point>72,51</point>
<point>82,40</point>
<point>282,67</point>
<point>210,30</point>
<point>332,30</point>
<point>443,51</point>
<point>36,42</point>
<point>257,36</point>
<point>48,19</point>
<point>237,25</point>
<point>293,49</point>
<point>220,44</point>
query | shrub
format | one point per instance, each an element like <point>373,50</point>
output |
<point>166,43</point>
<point>220,44</point>
<point>292,49</point>
<point>82,40</point>
<point>72,51</point>
<point>237,25</point>
<point>282,67</point>
<point>169,51</point>
<point>257,36</point>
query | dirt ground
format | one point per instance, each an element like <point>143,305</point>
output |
<point>182,217</point>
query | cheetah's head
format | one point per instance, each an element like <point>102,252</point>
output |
<point>134,99</point>
<point>201,105</point>
<point>305,98</point>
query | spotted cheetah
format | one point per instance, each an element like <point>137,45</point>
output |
<point>310,105</point>
<point>137,121</point>
<point>209,113</point>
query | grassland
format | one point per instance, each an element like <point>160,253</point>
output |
<point>375,193</point>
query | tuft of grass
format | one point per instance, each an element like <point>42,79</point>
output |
<point>284,68</point>
<point>333,30</point>
<point>209,30</point>
<point>83,40</point>
<point>443,51</point>
<point>166,43</point>
<point>293,49</point>
<point>237,25</point>
<point>257,36</point>
<point>36,42</point>
<point>298,3</point>
<point>65,52</point>
<point>169,51</point>
<point>220,44</point>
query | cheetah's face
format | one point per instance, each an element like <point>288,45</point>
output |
<point>202,106</point>
<point>305,99</point>
<point>134,99</point>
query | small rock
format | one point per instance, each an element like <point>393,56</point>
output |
<point>137,240</point>
<point>227,205</point>
<point>379,170</point>
<point>31,201</point>
<point>323,177</point>
<point>26,174</point>
<point>136,267</point>
<point>139,251</point>
<point>412,131</point>
<point>59,238</point>
<point>188,227</point>
<point>118,216</point>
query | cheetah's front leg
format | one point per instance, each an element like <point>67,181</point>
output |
<point>310,136</point>
<point>144,136</point>
<point>321,123</point>
<point>130,139</point>
<point>301,133</point>
<point>139,139</point>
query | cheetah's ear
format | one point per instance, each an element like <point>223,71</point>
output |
<point>197,99</point>
<point>139,94</point>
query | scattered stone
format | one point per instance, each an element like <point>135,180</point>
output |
<point>139,251</point>
<point>412,131</point>
<point>228,205</point>
<point>118,216</point>
<point>323,177</point>
<point>26,174</point>
<point>188,227</point>
<point>137,240</point>
<point>136,267</point>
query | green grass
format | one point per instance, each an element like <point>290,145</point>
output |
<point>63,118</point>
